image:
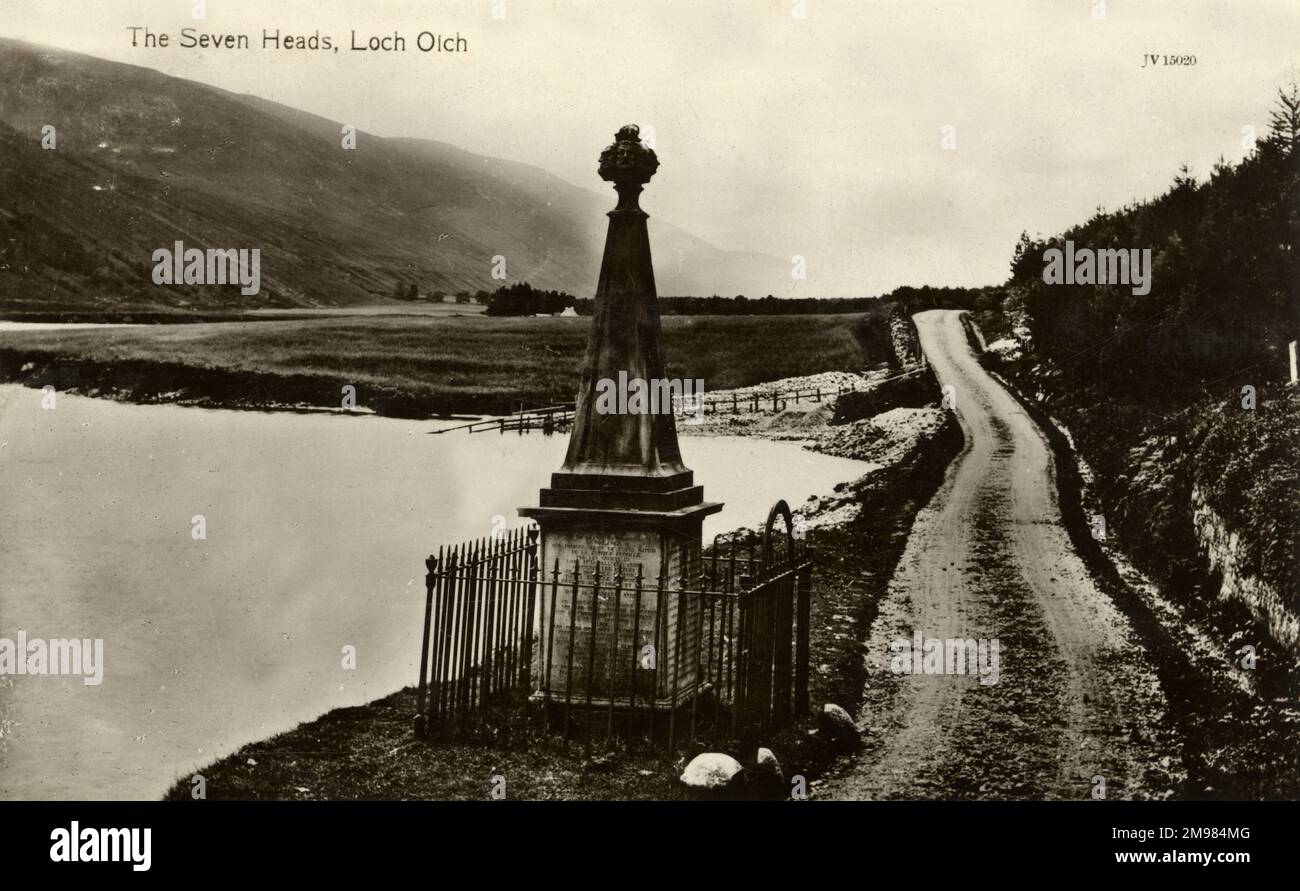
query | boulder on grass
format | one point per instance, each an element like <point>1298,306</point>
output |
<point>710,770</point>
<point>837,723</point>
<point>762,782</point>
<point>767,761</point>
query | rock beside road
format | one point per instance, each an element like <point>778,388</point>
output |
<point>710,771</point>
<point>765,781</point>
<point>836,722</point>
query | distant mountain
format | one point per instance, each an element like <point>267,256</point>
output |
<point>144,159</point>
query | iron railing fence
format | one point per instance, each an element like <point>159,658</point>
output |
<point>606,648</point>
<point>477,624</point>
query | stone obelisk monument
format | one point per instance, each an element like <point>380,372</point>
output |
<point>623,498</point>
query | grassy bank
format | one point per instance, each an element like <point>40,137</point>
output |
<point>404,366</point>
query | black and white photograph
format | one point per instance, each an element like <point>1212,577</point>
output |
<point>680,404</point>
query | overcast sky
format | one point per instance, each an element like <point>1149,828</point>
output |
<point>819,136</point>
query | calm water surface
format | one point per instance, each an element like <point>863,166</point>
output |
<point>317,526</point>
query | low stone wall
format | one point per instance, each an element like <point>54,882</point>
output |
<point>906,342</point>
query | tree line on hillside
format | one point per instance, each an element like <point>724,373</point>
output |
<point>911,299</point>
<point>1224,277</point>
<point>522,299</point>
<point>740,305</point>
<point>407,290</point>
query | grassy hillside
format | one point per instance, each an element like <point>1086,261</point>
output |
<point>406,366</point>
<point>143,159</point>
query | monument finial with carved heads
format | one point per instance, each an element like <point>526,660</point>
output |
<point>629,164</point>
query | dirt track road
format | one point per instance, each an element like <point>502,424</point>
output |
<point>989,558</point>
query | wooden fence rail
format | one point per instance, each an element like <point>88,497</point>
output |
<point>558,418</point>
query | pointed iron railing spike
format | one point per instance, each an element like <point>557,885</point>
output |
<point>573,624</point>
<point>591,655</point>
<point>613,652</point>
<point>635,650</point>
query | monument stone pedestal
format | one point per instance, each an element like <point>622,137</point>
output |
<point>652,638</point>
<point>623,501</point>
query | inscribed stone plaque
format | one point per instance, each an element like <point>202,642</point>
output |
<point>626,643</point>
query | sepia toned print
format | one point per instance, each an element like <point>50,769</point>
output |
<point>764,401</point>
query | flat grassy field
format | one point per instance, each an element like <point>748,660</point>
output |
<point>405,366</point>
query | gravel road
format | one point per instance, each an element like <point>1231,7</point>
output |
<point>1076,706</point>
